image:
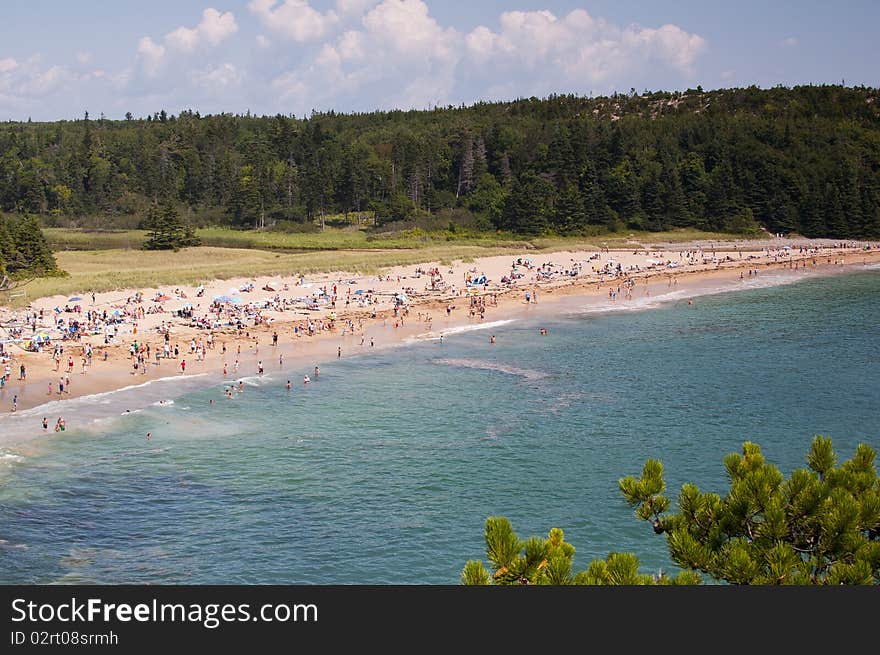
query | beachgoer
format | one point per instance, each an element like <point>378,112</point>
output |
<point>288,385</point>
<point>45,424</point>
<point>492,339</point>
<point>339,352</point>
<point>306,379</point>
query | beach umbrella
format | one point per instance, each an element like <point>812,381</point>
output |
<point>117,312</point>
<point>74,299</point>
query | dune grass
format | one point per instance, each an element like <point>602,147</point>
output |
<point>107,270</point>
<point>106,261</point>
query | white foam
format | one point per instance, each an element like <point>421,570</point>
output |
<point>653,302</point>
<point>493,366</point>
<point>52,405</point>
<point>9,458</point>
<point>459,329</point>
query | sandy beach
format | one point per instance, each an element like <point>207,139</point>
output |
<point>225,329</point>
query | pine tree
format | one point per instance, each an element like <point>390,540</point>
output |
<point>821,526</point>
<point>167,232</point>
<point>31,253</point>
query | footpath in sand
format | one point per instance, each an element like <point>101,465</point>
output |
<point>320,317</point>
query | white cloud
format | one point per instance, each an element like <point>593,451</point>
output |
<point>262,41</point>
<point>43,82</point>
<point>8,64</point>
<point>225,75</point>
<point>151,54</point>
<point>295,19</point>
<point>213,29</point>
<point>790,42</point>
<point>582,48</point>
<point>353,7</point>
<point>83,57</point>
<point>403,57</point>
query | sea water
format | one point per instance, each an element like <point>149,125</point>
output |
<point>384,468</point>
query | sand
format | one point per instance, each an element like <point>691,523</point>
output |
<point>375,323</point>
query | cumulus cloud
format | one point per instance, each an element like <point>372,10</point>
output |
<point>402,53</point>
<point>219,77</point>
<point>151,54</point>
<point>262,41</point>
<point>8,64</point>
<point>294,19</point>
<point>583,48</point>
<point>403,57</point>
<point>353,7</point>
<point>213,29</point>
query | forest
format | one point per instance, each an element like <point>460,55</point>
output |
<point>802,160</point>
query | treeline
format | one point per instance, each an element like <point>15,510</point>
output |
<point>24,251</point>
<point>804,159</point>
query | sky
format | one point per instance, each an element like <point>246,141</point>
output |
<point>59,58</point>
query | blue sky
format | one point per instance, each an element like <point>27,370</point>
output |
<point>60,58</point>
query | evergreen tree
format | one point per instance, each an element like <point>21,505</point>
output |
<point>528,208</point>
<point>31,253</point>
<point>167,232</point>
<point>821,526</point>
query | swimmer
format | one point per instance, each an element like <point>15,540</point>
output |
<point>316,372</point>
<point>149,435</point>
<point>306,379</point>
<point>339,352</point>
<point>288,385</point>
<point>45,424</point>
<point>492,339</point>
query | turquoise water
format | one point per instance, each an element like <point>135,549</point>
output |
<point>385,468</point>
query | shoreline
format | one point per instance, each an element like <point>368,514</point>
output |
<point>115,375</point>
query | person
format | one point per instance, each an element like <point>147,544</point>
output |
<point>339,352</point>
<point>371,342</point>
<point>149,435</point>
<point>281,360</point>
<point>50,388</point>
<point>260,367</point>
<point>45,424</point>
<point>60,424</point>
<point>492,339</point>
<point>288,385</point>
<point>316,372</point>
<point>306,379</point>
<point>543,332</point>
<point>15,402</point>
<point>183,366</point>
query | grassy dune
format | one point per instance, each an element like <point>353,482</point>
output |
<point>105,261</point>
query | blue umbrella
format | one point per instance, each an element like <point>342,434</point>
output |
<point>74,299</point>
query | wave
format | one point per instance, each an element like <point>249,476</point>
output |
<point>9,458</point>
<point>101,398</point>
<point>653,302</point>
<point>459,329</point>
<point>526,373</point>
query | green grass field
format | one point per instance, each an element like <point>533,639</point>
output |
<point>354,238</point>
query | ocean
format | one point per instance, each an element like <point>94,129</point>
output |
<point>384,468</point>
